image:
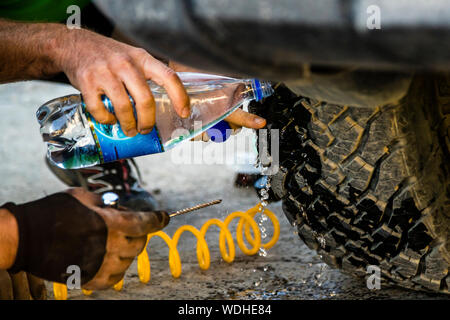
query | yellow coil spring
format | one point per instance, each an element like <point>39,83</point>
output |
<point>245,224</point>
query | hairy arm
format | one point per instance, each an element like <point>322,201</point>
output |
<point>95,65</point>
<point>27,50</point>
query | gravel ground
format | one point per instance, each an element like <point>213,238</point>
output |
<point>289,271</point>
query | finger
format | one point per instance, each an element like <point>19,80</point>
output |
<point>127,247</point>
<point>134,246</point>
<point>245,119</point>
<point>205,137</point>
<point>103,281</point>
<point>115,278</point>
<point>236,129</point>
<point>96,108</point>
<point>183,68</point>
<point>139,223</point>
<point>123,109</point>
<point>6,288</point>
<point>167,78</point>
<point>20,286</point>
<point>143,99</point>
<point>116,265</point>
<point>37,287</point>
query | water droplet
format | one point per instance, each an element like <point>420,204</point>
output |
<point>262,252</point>
<point>321,240</point>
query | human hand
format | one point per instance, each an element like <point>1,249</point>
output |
<point>21,286</point>
<point>47,236</point>
<point>97,65</point>
<point>127,236</point>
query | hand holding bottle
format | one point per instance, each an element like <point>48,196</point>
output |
<point>97,65</point>
<point>75,139</point>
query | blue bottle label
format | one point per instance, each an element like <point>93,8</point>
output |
<point>114,145</point>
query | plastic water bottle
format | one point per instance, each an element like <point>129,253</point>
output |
<point>76,140</point>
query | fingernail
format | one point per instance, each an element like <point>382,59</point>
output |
<point>145,131</point>
<point>132,132</point>
<point>259,121</point>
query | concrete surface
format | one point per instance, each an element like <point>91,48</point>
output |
<point>289,271</point>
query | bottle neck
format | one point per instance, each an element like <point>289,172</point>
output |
<point>260,89</point>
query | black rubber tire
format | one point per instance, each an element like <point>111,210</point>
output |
<point>369,186</point>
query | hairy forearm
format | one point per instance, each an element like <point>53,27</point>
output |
<point>29,51</point>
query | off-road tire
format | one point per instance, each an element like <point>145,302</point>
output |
<point>369,186</point>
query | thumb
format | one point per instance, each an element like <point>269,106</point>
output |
<point>242,118</point>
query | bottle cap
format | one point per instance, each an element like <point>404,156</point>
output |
<point>261,182</point>
<point>220,132</point>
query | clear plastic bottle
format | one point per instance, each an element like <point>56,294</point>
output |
<point>75,140</point>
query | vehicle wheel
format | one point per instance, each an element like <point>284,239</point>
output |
<point>369,186</point>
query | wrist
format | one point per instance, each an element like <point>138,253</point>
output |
<point>59,46</point>
<point>9,239</point>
